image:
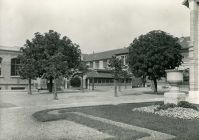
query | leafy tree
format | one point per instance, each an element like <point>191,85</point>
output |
<point>29,64</point>
<point>151,54</point>
<point>116,66</point>
<point>61,57</point>
<point>56,67</point>
<point>55,56</point>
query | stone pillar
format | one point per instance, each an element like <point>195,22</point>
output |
<point>194,52</point>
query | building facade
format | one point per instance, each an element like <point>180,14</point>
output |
<point>9,78</point>
<point>101,75</point>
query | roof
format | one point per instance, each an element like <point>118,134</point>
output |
<point>183,41</point>
<point>104,55</point>
<point>6,48</point>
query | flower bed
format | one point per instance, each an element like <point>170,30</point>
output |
<point>175,112</point>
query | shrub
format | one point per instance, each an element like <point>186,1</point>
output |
<point>159,103</point>
<point>75,82</point>
<point>165,106</point>
<point>185,104</point>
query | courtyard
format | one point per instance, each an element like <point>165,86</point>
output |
<point>88,115</point>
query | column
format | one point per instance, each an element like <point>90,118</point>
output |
<point>193,52</point>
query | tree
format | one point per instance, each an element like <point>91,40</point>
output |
<point>27,70</point>
<point>151,54</point>
<point>56,57</point>
<point>61,56</point>
<point>29,66</point>
<point>116,66</point>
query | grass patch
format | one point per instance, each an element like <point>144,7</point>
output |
<point>182,129</point>
<point>118,132</point>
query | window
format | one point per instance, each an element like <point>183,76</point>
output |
<point>15,66</point>
<point>105,63</point>
<point>186,75</point>
<point>122,58</point>
<point>17,88</point>
<point>91,64</point>
<point>0,66</point>
<point>97,64</point>
<point>125,60</point>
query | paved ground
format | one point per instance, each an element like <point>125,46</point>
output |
<point>16,122</point>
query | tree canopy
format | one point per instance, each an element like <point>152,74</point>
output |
<point>51,55</point>
<point>151,54</point>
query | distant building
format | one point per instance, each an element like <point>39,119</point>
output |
<point>102,75</point>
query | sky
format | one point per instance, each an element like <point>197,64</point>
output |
<point>96,25</point>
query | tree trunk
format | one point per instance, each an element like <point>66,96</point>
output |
<point>50,88</point>
<point>29,86</point>
<point>125,83</point>
<point>119,85</point>
<point>55,89</point>
<point>82,83</point>
<point>115,88</point>
<point>143,84</point>
<point>144,81</point>
<point>68,83</point>
<point>155,86</point>
<point>93,84</point>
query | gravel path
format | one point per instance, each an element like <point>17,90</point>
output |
<point>23,127</point>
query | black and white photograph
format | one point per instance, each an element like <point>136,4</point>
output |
<point>99,69</point>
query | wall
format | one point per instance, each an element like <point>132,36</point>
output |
<point>6,80</point>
